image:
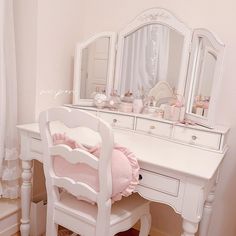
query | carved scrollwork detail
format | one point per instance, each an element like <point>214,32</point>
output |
<point>154,16</point>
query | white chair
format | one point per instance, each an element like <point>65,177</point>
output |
<point>63,208</point>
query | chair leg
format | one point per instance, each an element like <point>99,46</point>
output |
<point>145,221</point>
<point>52,227</point>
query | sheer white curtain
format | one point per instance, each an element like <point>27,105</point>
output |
<point>145,58</point>
<point>9,159</point>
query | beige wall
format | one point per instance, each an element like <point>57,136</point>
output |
<point>60,23</point>
<point>25,12</point>
<point>59,28</point>
<point>46,34</point>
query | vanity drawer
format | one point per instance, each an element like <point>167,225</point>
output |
<point>154,127</point>
<point>198,137</point>
<point>161,183</point>
<point>117,120</point>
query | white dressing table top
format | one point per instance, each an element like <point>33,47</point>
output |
<point>156,153</point>
<point>170,155</point>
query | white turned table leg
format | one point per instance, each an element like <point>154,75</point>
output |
<point>25,197</point>
<point>204,225</point>
<point>189,228</point>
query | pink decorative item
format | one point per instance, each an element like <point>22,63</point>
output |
<point>201,105</point>
<point>182,114</point>
<point>128,97</point>
<point>137,105</point>
<point>114,101</point>
<point>171,113</point>
<point>125,168</point>
<point>126,107</point>
<point>160,114</point>
<point>175,111</point>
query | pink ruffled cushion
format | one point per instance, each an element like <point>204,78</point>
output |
<point>124,165</point>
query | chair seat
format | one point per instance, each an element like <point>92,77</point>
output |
<point>85,211</point>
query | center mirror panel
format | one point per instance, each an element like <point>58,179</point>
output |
<point>151,54</point>
<point>152,48</point>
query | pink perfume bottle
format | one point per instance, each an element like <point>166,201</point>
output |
<point>114,101</point>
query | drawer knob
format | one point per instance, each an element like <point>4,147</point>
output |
<point>114,120</point>
<point>194,137</point>
<point>152,127</point>
<point>140,177</point>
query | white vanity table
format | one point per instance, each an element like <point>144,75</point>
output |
<point>179,163</point>
<point>180,175</point>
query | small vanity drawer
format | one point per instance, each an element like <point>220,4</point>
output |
<point>197,137</point>
<point>159,182</point>
<point>117,120</point>
<point>154,127</point>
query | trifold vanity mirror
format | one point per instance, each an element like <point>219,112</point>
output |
<point>154,54</point>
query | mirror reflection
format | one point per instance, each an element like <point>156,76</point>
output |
<point>203,83</point>
<point>94,67</point>
<point>151,54</point>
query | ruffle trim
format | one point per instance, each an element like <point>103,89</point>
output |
<point>135,173</point>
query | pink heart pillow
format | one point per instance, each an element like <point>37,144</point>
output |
<point>124,165</point>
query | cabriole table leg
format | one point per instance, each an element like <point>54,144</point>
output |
<point>189,228</point>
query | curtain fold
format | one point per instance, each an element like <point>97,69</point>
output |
<point>145,58</point>
<point>9,158</point>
